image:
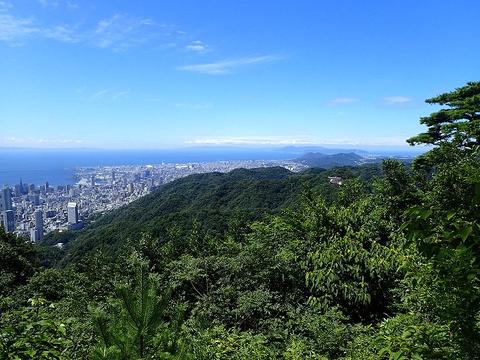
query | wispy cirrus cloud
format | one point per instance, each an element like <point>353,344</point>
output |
<point>12,28</point>
<point>228,66</point>
<point>117,32</point>
<point>342,100</point>
<point>197,46</point>
<point>62,33</point>
<point>58,3</point>
<point>48,3</point>
<point>108,94</point>
<point>120,32</point>
<point>397,100</point>
<point>194,106</point>
<point>15,30</point>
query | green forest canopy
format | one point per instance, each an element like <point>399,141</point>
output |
<point>266,264</point>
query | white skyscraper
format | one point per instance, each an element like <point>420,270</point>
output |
<point>39,223</point>
<point>72,213</point>
<point>34,235</point>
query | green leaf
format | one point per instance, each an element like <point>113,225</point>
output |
<point>465,232</point>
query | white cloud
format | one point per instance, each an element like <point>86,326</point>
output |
<point>107,94</point>
<point>199,106</point>
<point>40,142</point>
<point>285,141</point>
<point>197,46</point>
<point>101,93</point>
<point>14,29</point>
<point>269,140</point>
<point>342,100</point>
<point>120,32</point>
<point>58,3</point>
<point>120,95</point>
<point>397,100</point>
<point>227,66</point>
<point>48,3</point>
<point>62,33</point>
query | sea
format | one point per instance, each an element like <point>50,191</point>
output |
<point>57,166</point>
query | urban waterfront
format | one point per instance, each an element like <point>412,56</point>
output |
<point>58,166</point>
<point>34,210</point>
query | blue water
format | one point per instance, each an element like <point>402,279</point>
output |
<point>58,166</point>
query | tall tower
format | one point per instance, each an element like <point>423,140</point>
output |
<point>72,213</point>
<point>9,221</point>
<point>5,199</point>
<point>39,223</point>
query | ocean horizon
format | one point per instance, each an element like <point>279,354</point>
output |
<point>57,166</point>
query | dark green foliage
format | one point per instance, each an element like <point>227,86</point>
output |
<point>18,261</point>
<point>353,263</point>
<point>219,343</point>
<point>213,202</point>
<point>458,124</point>
<point>136,326</point>
<point>266,264</point>
<point>31,332</point>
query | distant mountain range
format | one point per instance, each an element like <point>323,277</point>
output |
<point>368,152</point>
<point>327,161</point>
<point>323,150</point>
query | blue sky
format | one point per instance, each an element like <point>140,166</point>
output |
<point>159,74</point>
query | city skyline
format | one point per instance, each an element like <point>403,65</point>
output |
<point>85,74</point>
<point>33,210</point>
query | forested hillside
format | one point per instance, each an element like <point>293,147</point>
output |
<point>328,161</point>
<point>212,203</point>
<point>266,264</point>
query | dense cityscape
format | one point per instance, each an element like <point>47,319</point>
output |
<point>33,210</point>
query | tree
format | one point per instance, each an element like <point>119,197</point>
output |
<point>443,228</point>
<point>458,124</point>
<point>18,261</point>
<point>137,327</point>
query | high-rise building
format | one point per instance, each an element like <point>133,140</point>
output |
<point>9,221</point>
<point>5,199</point>
<point>36,199</point>
<point>38,214</point>
<point>24,187</point>
<point>72,213</point>
<point>34,235</point>
<point>92,181</point>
